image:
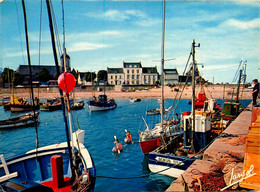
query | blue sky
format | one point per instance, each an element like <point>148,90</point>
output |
<point>101,34</point>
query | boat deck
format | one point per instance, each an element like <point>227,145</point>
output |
<point>239,149</point>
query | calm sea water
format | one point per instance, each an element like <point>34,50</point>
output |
<point>101,127</point>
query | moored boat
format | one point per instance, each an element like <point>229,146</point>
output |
<point>135,100</point>
<point>47,169</point>
<point>20,121</point>
<point>101,104</point>
<point>51,105</point>
<point>77,105</point>
<point>153,112</point>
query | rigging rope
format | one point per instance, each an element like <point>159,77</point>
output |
<point>40,38</point>
<point>56,30</point>
<point>21,42</point>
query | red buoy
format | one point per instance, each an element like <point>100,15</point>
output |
<point>66,82</point>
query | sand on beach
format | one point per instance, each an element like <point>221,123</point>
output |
<point>212,91</point>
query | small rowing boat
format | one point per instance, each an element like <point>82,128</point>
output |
<point>20,121</point>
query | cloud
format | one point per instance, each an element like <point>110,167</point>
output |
<point>116,15</point>
<point>32,52</point>
<point>245,25</point>
<point>85,46</point>
<point>77,36</point>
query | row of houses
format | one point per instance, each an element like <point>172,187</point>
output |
<point>133,73</point>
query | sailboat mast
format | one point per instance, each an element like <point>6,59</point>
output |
<point>162,65</point>
<point>239,81</point>
<point>61,94</point>
<point>193,87</point>
<point>193,91</point>
<point>30,69</point>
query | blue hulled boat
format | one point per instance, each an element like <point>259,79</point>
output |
<point>48,169</point>
<point>101,104</point>
<point>176,155</point>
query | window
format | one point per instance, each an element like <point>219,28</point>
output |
<point>128,76</point>
<point>133,82</point>
<point>127,71</point>
<point>137,82</point>
<point>116,77</point>
<point>111,76</point>
<point>137,76</point>
<point>137,71</point>
<point>133,71</point>
<point>133,76</point>
<point>127,82</point>
<point>119,76</point>
<point>111,83</point>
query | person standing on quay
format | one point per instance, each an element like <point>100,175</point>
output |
<point>255,91</point>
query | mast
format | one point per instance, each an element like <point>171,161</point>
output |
<point>239,81</point>
<point>193,88</point>
<point>30,67</point>
<point>162,65</point>
<point>61,94</point>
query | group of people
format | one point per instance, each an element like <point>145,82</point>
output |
<point>119,147</point>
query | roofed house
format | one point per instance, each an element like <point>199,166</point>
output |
<point>171,76</point>
<point>133,73</point>
<point>115,76</point>
<point>149,75</point>
<point>24,71</point>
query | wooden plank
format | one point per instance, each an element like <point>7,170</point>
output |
<point>254,129</point>
<point>252,150</point>
<point>255,114</point>
<point>254,181</point>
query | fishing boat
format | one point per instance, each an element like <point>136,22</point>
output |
<point>47,169</point>
<point>20,121</point>
<point>175,156</point>
<point>65,166</point>
<point>51,105</point>
<point>101,103</point>
<point>77,105</point>
<point>134,100</point>
<point>20,105</point>
<point>153,112</point>
<point>150,139</point>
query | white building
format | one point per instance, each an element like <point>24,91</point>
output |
<point>132,73</point>
<point>171,76</point>
<point>149,75</point>
<point>115,76</point>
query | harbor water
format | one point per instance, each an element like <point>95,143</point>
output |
<point>100,127</point>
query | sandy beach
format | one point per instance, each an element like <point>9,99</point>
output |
<point>212,91</point>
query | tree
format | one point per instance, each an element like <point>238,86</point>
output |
<point>102,75</point>
<point>11,76</point>
<point>44,75</point>
<point>90,76</point>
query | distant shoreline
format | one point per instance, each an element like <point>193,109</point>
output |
<point>211,91</point>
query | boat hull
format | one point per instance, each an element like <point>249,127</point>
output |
<point>51,108</point>
<point>150,145</point>
<point>22,121</point>
<point>35,166</point>
<point>170,165</point>
<point>22,108</point>
<point>101,108</point>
